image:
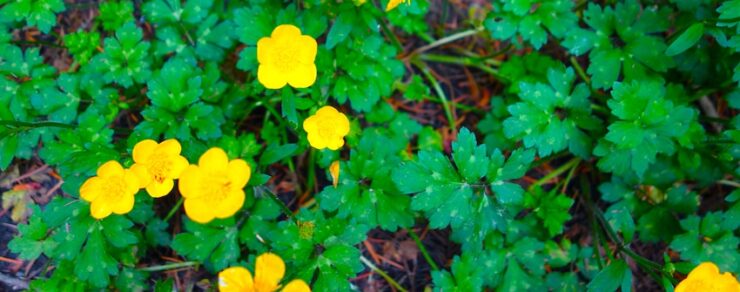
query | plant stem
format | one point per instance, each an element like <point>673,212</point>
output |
<point>36,124</point>
<point>563,168</point>
<point>465,61</point>
<point>262,190</point>
<point>174,209</point>
<point>423,249</point>
<point>448,39</point>
<point>389,32</point>
<point>168,267</point>
<point>729,183</point>
<point>586,189</point>
<point>382,274</point>
<point>438,89</point>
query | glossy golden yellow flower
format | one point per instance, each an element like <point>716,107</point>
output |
<point>286,57</point>
<point>157,165</point>
<point>111,191</point>
<point>215,187</point>
<point>326,128</point>
<point>392,4</point>
<point>706,277</point>
<point>268,272</point>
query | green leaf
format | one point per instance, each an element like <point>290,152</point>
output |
<point>686,40</point>
<point>31,241</point>
<point>214,244</point>
<point>550,207</point>
<point>82,45</point>
<point>95,264</point>
<point>175,86</point>
<point>116,230</point>
<point>340,29</point>
<point>125,58</point>
<point>275,152</point>
<point>113,14</point>
<point>470,159</point>
<point>616,274</point>
<point>35,12</point>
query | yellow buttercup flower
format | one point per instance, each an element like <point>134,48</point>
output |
<point>326,128</point>
<point>392,4</point>
<point>157,165</point>
<point>268,272</point>
<point>215,187</point>
<point>111,191</point>
<point>286,57</point>
<point>706,277</point>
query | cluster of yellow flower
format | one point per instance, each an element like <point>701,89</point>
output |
<point>268,271</point>
<point>211,189</point>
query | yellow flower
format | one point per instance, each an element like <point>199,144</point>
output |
<point>268,272</point>
<point>392,4</point>
<point>706,277</point>
<point>157,165</point>
<point>326,128</point>
<point>111,191</point>
<point>286,57</point>
<point>215,187</point>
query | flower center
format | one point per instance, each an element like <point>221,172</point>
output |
<point>215,188</point>
<point>114,188</point>
<point>326,129</point>
<point>285,57</point>
<point>159,167</point>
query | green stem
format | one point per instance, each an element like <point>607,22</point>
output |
<point>168,267</point>
<point>262,190</point>
<point>579,70</point>
<point>448,39</point>
<point>36,124</point>
<point>174,209</point>
<point>585,187</point>
<point>423,250</point>
<point>465,61</point>
<point>382,274</point>
<point>438,89</point>
<point>390,34</point>
<point>563,168</point>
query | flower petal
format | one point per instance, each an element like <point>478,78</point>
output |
<point>169,147</point>
<point>316,141</point>
<point>336,143</point>
<point>704,270</point>
<point>270,77</point>
<point>122,206</point>
<point>302,76</point>
<point>264,46</point>
<point>99,209</point>
<point>142,173</point>
<point>296,285</point>
<point>286,31</point>
<point>214,161</point>
<point>238,173</point>
<point>231,203</point>
<point>235,279</point>
<point>90,190</point>
<point>310,124</point>
<point>143,150</point>
<point>110,168</point>
<point>179,164</point>
<point>269,269</point>
<point>309,47</point>
<point>132,182</point>
<point>156,189</point>
<point>198,210</point>
<point>190,182</point>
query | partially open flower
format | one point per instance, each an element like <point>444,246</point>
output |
<point>268,272</point>
<point>326,128</point>
<point>111,191</point>
<point>286,57</point>
<point>157,165</point>
<point>215,187</point>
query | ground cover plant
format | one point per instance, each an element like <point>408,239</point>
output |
<point>352,145</point>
